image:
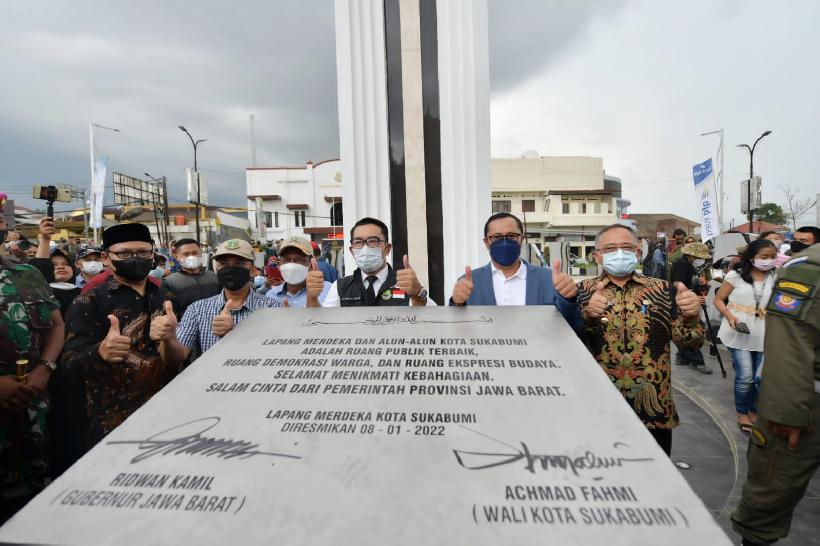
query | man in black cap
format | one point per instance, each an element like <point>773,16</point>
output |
<point>108,332</point>
<point>89,262</point>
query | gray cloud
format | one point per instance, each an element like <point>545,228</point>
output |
<point>527,36</point>
<point>147,67</point>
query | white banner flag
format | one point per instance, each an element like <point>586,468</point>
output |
<point>98,191</point>
<point>707,200</point>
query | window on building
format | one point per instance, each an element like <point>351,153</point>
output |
<point>547,204</point>
<point>501,206</point>
<point>268,219</point>
<point>300,218</point>
<point>336,215</point>
<point>528,205</point>
<point>564,208</point>
<point>583,208</point>
<point>604,208</point>
<point>275,219</point>
<point>598,208</point>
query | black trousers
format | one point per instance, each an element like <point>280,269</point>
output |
<point>664,439</point>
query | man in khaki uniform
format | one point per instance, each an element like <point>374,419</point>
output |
<point>784,448</point>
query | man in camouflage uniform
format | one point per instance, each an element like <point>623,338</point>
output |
<point>784,447</point>
<point>31,329</point>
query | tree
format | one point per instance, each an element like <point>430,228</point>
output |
<point>795,207</point>
<point>770,212</point>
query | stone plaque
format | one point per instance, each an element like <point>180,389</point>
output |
<point>434,426</point>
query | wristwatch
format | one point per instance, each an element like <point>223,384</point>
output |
<point>422,295</point>
<point>50,364</point>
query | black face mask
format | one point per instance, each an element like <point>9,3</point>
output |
<point>133,269</point>
<point>797,246</point>
<point>233,278</point>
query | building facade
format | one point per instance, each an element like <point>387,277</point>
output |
<point>299,200</point>
<point>560,199</point>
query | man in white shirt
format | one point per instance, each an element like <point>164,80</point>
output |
<point>375,282</point>
<point>510,280</point>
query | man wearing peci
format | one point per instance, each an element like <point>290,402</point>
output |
<point>510,280</point>
<point>374,282</point>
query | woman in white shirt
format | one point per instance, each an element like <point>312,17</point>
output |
<point>742,299</point>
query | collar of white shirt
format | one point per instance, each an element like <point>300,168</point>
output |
<point>381,276</point>
<point>521,273</point>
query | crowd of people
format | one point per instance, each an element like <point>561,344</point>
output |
<point>89,334</point>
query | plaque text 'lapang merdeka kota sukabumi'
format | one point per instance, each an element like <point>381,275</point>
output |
<point>477,425</point>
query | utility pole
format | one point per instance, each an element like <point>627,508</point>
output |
<point>195,143</point>
<point>751,176</point>
<point>253,140</point>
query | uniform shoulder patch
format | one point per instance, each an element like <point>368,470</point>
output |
<point>786,304</point>
<point>795,261</point>
<point>799,287</point>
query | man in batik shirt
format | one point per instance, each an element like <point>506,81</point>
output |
<point>108,332</point>
<point>629,321</point>
<point>31,332</point>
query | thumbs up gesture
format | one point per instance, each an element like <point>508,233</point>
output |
<point>223,322</point>
<point>114,346</point>
<point>464,287</point>
<point>164,327</point>
<point>406,279</point>
<point>687,301</point>
<point>597,304</point>
<point>315,282</point>
<point>562,282</point>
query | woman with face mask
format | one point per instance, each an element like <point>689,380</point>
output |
<point>742,300</point>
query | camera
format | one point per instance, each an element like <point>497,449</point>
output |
<point>52,193</point>
<point>699,287</point>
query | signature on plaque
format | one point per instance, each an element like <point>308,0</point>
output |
<point>386,320</point>
<point>588,461</point>
<point>189,439</point>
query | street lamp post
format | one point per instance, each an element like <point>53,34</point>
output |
<point>195,143</point>
<point>751,176</point>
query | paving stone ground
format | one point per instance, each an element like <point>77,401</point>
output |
<point>709,440</point>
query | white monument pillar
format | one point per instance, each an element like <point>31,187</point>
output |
<point>413,84</point>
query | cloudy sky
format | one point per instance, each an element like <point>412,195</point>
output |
<point>632,81</point>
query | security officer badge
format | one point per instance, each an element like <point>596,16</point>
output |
<point>791,296</point>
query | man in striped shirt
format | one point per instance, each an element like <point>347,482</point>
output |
<point>206,321</point>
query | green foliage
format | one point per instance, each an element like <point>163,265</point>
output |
<point>770,212</point>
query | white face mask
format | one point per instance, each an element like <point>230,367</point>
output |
<point>368,259</point>
<point>192,262</point>
<point>92,268</point>
<point>698,262</point>
<point>294,273</point>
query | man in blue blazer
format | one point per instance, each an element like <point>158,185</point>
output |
<point>509,280</point>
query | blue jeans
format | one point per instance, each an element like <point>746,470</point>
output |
<point>747,378</point>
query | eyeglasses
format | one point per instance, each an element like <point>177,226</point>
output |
<point>612,248</point>
<point>127,254</point>
<point>372,242</point>
<point>508,236</point>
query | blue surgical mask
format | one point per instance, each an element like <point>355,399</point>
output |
<point>157,272</point>
<point>620,263</point>
<point>505,252</point>
<point>258,281</point>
